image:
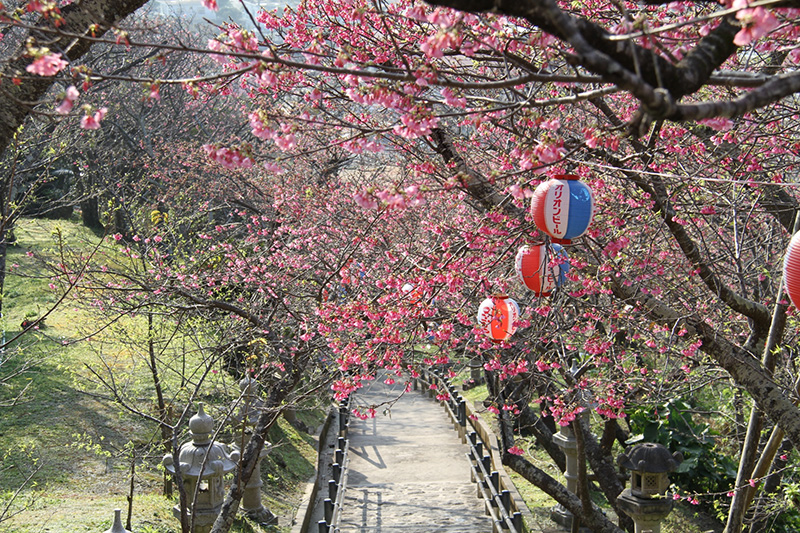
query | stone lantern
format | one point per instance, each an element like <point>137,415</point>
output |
<point>250,407</point>
<point>645,501</point>
<point>203,465</point>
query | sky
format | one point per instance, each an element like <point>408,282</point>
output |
<point>227,7</point>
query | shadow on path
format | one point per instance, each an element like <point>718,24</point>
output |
<point>408,470</point>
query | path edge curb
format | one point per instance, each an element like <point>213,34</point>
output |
<point>308,503</point>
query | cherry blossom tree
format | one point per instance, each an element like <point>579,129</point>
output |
<point>680,115</point>
<point>463,98</point>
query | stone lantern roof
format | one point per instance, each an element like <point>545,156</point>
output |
<point>651,458</point>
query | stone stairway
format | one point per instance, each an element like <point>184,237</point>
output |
<point>408,470</point>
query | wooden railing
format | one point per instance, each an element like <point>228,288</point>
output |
<point>337,485</point>
<point>492,487</point>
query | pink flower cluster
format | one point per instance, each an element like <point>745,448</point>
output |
<point>516,450</point>
<point>68,100</point>
<point>242,40</point>
<point>416,123</point>
<point>228,157</point>
<point>370,413</point>
<point>436,44</point>
<point>611,407</point>
<point>47,65</point>
<point>563,413</point>
<point>360,145</point>
<point>756,22</point>
<point>343,389</point>
<point>284,138</point>
<point>543,366</point>
<point>91,121</point>
<point>408,197</point>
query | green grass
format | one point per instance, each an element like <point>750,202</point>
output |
<point>59,427</point>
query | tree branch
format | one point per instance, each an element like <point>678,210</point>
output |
<point>77,19</point>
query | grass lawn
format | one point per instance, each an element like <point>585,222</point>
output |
<point>66,449</point>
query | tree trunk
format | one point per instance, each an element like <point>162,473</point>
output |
<point>76,19</point>
<point>592,518</point>
<point>529,421</point>
<point>90,213</point>
<point>249,459</point>
<point>740,502</point>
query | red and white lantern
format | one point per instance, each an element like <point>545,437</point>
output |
<point>563,208</point>
<point>413,294</point>
<point>541,268</point>
<point>791,270</point>
<point>498,317</point>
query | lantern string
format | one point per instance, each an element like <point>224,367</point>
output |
<point>684,177</point>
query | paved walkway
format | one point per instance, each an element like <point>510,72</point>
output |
<point>408,470</point>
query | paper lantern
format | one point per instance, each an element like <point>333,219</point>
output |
<point>563,208</point>
<point>791,270</point>
<point>541,268</point>
<point>413,294</point>
<point>498,316</point>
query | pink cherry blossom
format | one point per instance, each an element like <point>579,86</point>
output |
<point>365,200</point>
<point>92,121</point>
<point>718,123</point>
<point>229,157</point>
<point>47,65</point>
<point>70,95</point>
<point>756,22</point>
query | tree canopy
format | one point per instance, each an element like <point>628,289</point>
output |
<point>384,144</point>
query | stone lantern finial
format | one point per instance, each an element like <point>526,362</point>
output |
<point>116,527</point>
<point>201,425</point>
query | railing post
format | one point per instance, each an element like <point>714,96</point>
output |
<point>516,519</point>
<point>322,526</point>
<point>328,510</point>
<point>505,499</point>
<point>333,488</point>
<point>338,456</point>
<point>494,477</point>
<point>343,417</point>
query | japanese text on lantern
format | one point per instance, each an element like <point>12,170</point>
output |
<point>558,192</point>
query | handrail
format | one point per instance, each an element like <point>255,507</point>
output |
<point>499,502</point>
<point>336,486</point>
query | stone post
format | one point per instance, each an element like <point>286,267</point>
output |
<point>565,439</point>
<point>247,416</point>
